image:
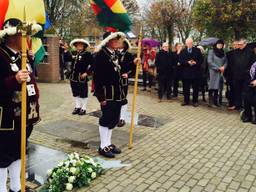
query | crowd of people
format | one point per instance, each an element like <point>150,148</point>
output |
<point>215,70</point>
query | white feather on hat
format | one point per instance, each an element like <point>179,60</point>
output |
<point>13,30</point>
<point>110,37</point>
<point>73,42</point>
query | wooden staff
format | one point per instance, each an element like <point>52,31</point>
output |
<point>23,107</point>
<point>135,89</point>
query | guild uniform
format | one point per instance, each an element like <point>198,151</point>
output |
<point>10,106</point>
<point>108,87</point>
<point>126,60</point>
<point>81,63</point>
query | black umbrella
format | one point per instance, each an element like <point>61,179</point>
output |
<point>208,41</point>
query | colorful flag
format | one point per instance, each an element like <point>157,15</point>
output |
<point>34,9</point>
<point>38,50</point>
<point>111,13</point>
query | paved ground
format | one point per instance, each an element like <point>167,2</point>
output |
<point>198,149</point>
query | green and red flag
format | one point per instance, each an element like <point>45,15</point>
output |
<point>112,14</point>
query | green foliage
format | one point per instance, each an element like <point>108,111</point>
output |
<point>224,19</point>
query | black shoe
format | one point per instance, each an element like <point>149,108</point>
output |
<point>184,104</point>
<point>245,118</point>
<point>76,111</point>
<point>121,123</point>
<point>82,112</point>
<point>106,152</point>
<point>114,149</point>
<point>195,104</point>
<point>254,121</point>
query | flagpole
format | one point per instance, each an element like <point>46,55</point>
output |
<point>135,89</point>
<point>23,107</point>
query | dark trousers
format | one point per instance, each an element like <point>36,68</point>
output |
<point>238,89</point>
<point>176,80</point>
<point>165,86</point>
<point>203,86</point>
<point>213,96</point>
<point>62,68</point>
<point>230,94</point>
<point>147,77</point>
<point>187,83</point>
<point>249,97</point>
<point>110,114</point>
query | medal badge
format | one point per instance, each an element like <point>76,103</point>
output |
<point>31,90</point>
<point>14,67</point>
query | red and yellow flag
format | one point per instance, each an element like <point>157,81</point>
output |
<point>13,9</point>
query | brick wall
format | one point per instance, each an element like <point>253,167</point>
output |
<point>49,72</point>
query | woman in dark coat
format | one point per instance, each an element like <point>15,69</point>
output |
<point>80,69</point>
<point>127,67</point>
<point>11,78</point>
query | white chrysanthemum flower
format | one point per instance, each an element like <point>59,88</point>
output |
<point>72,170</point>
<point>61,164</point>
<point>71,179</point>
<point>49,172</point>
<point>77,155</point>
<point>93,175</point>
<point>90,170</point>
<point>71,156</point>
<point>69,187</point>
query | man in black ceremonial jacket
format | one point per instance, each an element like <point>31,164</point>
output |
<point>108,90</point>
<point>191,59</point>
<point>82,61</point>
<point>128,67</point>
<point>11,78</point>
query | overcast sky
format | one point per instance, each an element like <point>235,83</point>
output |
<point>144,2</point>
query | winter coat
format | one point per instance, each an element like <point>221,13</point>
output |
<point>214,63</point>
<point>188,71</point>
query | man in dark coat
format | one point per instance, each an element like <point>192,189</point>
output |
<point>229,76</point>
<point>191,59</point>
<point>242,59</point>
<point>108,90</point>
<point>164,64</point>
<point>11,78</point>
<point>249,97</point>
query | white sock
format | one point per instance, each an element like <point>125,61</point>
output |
<point>103,136</point>
<point>3,179</point>
<point>84,103</point>
<point>78,103</point>
<point>14,172</point>
<point>109,136</point>
<point>123,112</point>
